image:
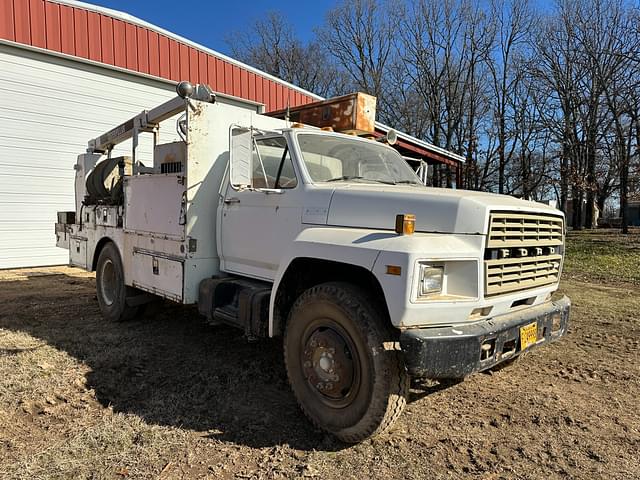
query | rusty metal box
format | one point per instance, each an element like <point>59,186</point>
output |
<point>353,113</point>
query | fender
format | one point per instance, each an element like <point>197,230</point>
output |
<point>463,250</point>
<point>353,246</point>
<point>374,250</point>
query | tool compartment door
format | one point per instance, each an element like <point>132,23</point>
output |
<point>78,252</point>
<point>154,224</point>
<point>156,205</point>
<point>157,273</point>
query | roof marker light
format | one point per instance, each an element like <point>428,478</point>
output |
<point>405,223</point>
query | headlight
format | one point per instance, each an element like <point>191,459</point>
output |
<point>430,280</point>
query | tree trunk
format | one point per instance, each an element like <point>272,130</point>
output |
<point>578,196</point>
<point>625,154</point>
<point>602,198</point>
<point>591,176</point>
<point>501,155</point>
<point>624,191</point>
<point>564,182</point>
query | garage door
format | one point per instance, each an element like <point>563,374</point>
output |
<point>49,108</point>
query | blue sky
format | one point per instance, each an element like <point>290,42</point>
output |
<point>210,24</point>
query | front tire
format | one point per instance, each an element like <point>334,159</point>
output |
<point>110,287</point>
<point>342,364</point>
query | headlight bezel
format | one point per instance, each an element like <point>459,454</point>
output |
<point>460,281</point>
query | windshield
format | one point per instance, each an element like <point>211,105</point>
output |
<point>330,158</point>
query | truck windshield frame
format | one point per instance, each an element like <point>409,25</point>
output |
<point>335,158</point>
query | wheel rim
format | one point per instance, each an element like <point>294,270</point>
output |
<point>331,366</point>
<point>108,282</point>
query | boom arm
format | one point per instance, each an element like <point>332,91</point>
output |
<point>145,121</point>
<point>149,120</point>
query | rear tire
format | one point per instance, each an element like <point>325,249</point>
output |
<point>111,290</point>
<point>342,364</point>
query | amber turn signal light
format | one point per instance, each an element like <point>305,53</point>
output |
<point>394,270</point>
<point>405,224</point>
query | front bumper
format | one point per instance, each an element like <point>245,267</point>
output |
<point>455,352</point>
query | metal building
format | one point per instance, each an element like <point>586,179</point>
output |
<point>70,71</point>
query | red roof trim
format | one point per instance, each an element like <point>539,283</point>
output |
<point>112,41</point>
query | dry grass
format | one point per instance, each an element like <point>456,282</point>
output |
<point>169,397</point>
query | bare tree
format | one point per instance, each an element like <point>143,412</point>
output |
<point>514,20</point>
<point>272,46</point>
<point>443,46</point>
<point>539,105</point>
<point>359,35</point>
<point>611,42</point>
<point>531,142</point>
<point>558,71</point>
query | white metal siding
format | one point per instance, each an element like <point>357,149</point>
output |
<point>49,108</point>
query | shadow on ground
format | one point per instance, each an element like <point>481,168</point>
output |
<point>168,366</point>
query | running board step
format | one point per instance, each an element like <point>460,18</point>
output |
<point>239,302</point>
<point>227,314</point>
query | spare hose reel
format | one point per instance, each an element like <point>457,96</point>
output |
<point>105,182</point>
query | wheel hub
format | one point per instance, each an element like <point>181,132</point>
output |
<point>328,363</point>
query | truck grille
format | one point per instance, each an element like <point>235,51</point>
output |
<point>523,252</point>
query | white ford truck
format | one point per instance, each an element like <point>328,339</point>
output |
<point>327,240</point>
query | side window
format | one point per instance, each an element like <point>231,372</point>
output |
<point>272,164</point>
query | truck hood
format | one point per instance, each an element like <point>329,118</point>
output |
<point>436,209</point>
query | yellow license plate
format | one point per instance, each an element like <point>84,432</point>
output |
<point>528,335</point>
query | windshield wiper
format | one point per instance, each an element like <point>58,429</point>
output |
<point>410,182</point>
<point>357,177</point>
<point>343,177</point>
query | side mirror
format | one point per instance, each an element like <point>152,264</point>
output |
<point>240,156</point>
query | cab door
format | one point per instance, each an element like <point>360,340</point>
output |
<point>261,206</point>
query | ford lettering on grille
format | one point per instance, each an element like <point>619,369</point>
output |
<point>524,251</point>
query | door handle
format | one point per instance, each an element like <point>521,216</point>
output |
<point>231,200</point>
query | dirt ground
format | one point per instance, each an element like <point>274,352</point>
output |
<point>167,396</point>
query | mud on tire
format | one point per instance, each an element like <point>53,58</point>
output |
<point>342,364</point>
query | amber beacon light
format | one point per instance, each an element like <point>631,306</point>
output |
<point>405,223</point>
